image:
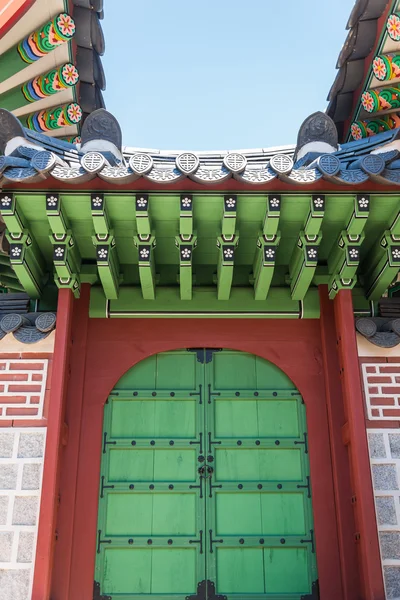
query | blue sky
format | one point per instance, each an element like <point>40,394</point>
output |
<point>219,74</point>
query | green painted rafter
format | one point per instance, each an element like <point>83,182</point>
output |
<point>384,260</point>
<point>227,243</point>
<point>267,247</point>
<point>25,257</point>
<point>304,259</point>
<point>186,242</point>
<point>344,258</point>
<point>145,242</point>
<point>66,257</point>
<point>105,243</point>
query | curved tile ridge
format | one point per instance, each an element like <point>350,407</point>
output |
<point>30,157</point>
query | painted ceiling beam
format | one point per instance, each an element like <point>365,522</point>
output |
<point>384,261</point>
<point>267,246</point>
<point>145,242</point>
<point>304,260</point>
<point>25,257</point>
<point>66,257</point>
<point>226,261</point>
<point>106,250</point>
<point>344,258</point>
<point>59,30</point>
<point>186,242</point>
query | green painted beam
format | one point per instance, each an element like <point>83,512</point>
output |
<point>226,261</point>
<point>229,216</point>
<point>186,247</point>
<point>25,256</point>
<point>344,258</point>
<point>264,265</point>
<point>272,215</point>
<point>142,205</point>
<point>105,242</point>
<point>146,262</point>
<point>186,215</point>
<point>66,256</point>
<point>304,260</point>
<point>242,304</point>
<point>384,260</point>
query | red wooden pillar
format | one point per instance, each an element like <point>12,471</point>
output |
<point>340,461</point>
<point>55,430</point>
<point>356,436</point>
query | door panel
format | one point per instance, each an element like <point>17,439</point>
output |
<point>205,484</point>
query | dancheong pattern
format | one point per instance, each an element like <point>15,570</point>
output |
<point>41,42</point>
<point>51,83</point>
<point>393,27</point>
<point>363,129</point>
<point>386,66</point>
<point>374,100</point>
<point>62,116</point>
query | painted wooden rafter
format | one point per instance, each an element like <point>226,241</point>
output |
<point>145,242</point>
<point>267,246</point>
<point>186,243</point>
<point>105,243</point>
<point>227,243</point>
<point>66,257</point>
<point>304,260</point>
<point>384,260</point>
<point>344,258</point>
<point>25,257</point>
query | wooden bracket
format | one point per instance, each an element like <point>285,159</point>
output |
<point>106,252</point>
<point>186,245</point>
<point>226,261</point>
<point>145,245</point>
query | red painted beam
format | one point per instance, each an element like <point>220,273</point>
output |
<point>340,462</point>
<point>368,543</point>
<point>55,427</point>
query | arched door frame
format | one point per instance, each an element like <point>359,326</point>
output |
<point>111,349</point>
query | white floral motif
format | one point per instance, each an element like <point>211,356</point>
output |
<point>353,253</point>
<point>144,253</point>
<point>274,202</point>
<point>16,251</point>
<point>228,253</point>
<point>186,202</point>
<point>6,201</point>
<point>312,253</point>
<point>186,253</point>
<point>142,202</point>
<point>97,201</point>
<point>396,253</point>
<point>102,253</point>
<point>318,202</point>
<point>270,253</point>
<point>363,202</point>
<point>231,203</point>
<point>51,201</point>
<point>59,252</point>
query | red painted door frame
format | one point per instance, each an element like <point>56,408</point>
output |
<point>51,470</point>
<point>113,347</point>
<point>355,436</point>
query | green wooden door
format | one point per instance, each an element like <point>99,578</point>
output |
<point>205,487</point>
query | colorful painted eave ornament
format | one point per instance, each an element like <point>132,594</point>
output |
<point>39,43</point>
<point>55,118</point>
<point>51,83</point>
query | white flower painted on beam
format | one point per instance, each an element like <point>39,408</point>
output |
<point>102,253</point>
<point>6,201</point>
<point>231,203</point>
<point>269,253</point>
<point>16,251</point>
<point>353,253</point>
<point>186,202</point>
<point>363,202</point>
<point>51,201</point>
<point>58,252</point>
<point>318,202</point>
<point>312,253</point>
<point>274,202</point>
<point>142,202</point>
<point>186,253</point>
<point>97,201</point>
<point>396,253</point>
<point>228,253</point>
<point>144,253</point>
